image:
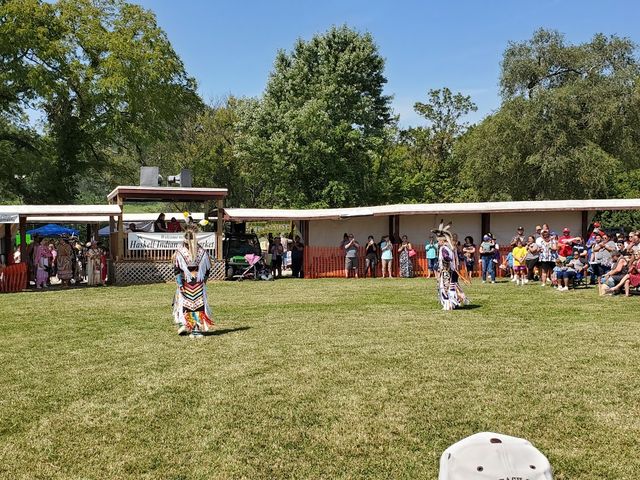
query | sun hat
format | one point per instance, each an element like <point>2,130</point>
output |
<point>493,456</point>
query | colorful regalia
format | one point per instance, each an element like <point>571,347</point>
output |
<point>191,266</point>
<point>449,291</point>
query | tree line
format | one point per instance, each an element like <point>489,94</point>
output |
<point>91,91</point>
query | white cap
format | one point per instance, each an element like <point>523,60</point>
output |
<point>493,456</point>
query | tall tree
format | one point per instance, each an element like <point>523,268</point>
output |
<point>102,75</point>
<point>564,129</point>
<point>430,169</point>
<point>315,136</point>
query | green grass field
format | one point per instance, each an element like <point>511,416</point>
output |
<point>314,379</point>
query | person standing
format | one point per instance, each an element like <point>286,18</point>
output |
<point>371,259</point>
<point>297,257</point>
<point>487,254</point>
<point>191,268</point>
<point>518,236</point>
<point>548,254</point>
<point>351,256</point>
<point>602,254</point>
<point>406,262</point>
<point>565,243</point>
<point>431,252</point>
<point>42,262</point>
<point>65,262</point>
<point>532,258</point>
<point>94,268</point>
<point>450,294</point>
<point>519,254</point>
<point>103,266</point>
<point>386,249</point>
<point>53,264</point>
<point>276,258</point>
<point>469,251</point>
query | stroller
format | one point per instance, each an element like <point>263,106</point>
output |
<point>257,269</point>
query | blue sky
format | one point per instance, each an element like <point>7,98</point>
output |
<point>229,46</point>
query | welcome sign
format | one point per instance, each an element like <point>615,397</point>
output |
<point>166,241</point>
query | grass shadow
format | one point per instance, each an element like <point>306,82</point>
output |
<point>224,331</point>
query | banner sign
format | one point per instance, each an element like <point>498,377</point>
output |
<point>8,218</point>
<point>167,241</point>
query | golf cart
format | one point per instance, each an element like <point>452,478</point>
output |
<point>237,243</point>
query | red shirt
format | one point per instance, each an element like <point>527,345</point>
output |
<point>566,245</point>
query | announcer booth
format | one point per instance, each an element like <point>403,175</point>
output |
<point>146,257</point>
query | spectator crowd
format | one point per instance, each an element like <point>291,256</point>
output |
<point>609,260</point>
<point>64,261</point>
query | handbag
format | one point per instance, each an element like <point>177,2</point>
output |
<point>412,253</point>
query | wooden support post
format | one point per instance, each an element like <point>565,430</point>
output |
<point>396,228</point>
<point>23,239</point>
<point>585,224</point>
<point>113,245</point>
<point>391,219</point>
<point>306,254</point>
<point>120,236</point>
<point>485,224</point>
<point>219,228</point>
<point>8,247</point>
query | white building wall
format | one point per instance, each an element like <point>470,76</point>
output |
<point>328,233</point>
<point>503,225</point>
<point>418,227</point>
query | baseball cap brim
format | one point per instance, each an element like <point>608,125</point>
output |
<point>490,455</point>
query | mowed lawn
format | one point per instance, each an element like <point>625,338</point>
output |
<point>314,379</point>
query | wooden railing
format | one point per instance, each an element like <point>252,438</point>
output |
<point>13,278</point>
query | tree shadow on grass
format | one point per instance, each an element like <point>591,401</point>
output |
<point>223,331</point>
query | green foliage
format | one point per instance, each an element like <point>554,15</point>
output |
<point>563,130</point>
<point>102,74</point>
<point>426,169</point>
<point>315,136</point>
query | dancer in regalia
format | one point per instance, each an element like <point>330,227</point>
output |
<point>449,291</point>
<point>191,266</point>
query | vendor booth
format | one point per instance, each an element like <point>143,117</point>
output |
<point>13,221</point>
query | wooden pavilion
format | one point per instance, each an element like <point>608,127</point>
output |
<point>131,267</point>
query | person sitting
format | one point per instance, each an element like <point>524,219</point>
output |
<point>578,265</point>
<point>174,226</point>
<point>132,227</point>
<point>631,279</point>
<point>619,270</point>
<point>160,225</point>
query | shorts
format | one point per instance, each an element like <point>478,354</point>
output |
<point>433,264</point>
<point>547,265</point>
<point>350,263</point>
<point>519,268</point>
